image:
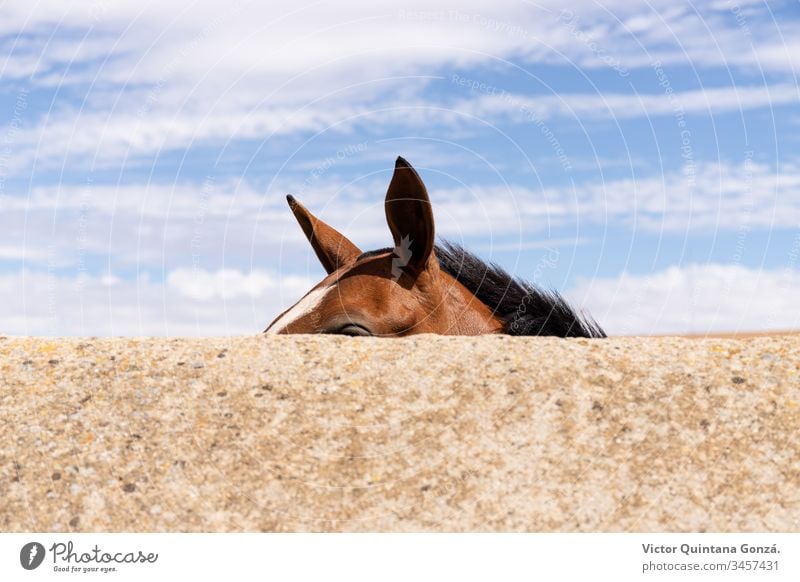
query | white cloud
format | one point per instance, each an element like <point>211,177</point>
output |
<point>46,303</point>
<point>694,299</point>
<point>203,285</point>
<point>16,252</point>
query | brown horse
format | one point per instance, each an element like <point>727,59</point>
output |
<point>417,286</point>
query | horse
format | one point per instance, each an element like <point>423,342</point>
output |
<point>418,286</point>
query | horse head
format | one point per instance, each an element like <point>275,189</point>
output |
<point>395,291</point>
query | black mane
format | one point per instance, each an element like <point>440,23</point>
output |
<point>524,308</point>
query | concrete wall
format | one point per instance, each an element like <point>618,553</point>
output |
<point>431,433</point>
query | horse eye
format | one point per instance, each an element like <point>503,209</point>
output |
<point>352,330</point>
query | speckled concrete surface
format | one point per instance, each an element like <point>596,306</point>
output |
<point>430,433</point>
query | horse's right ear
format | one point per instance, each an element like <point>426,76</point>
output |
<point>410,218</point>
<point>333,249</point>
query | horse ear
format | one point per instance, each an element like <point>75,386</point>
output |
<point>333,249</point>
<point>410,218</point>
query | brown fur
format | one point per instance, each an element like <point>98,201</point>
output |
<point>367,293</point>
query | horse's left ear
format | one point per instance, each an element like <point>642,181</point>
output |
<point>410,218</point>
<point>333,249</point>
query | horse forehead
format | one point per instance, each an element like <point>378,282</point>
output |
<point>306,305</point>
<point>375,267</point>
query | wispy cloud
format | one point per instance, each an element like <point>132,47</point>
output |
<point>622,106</point>
<point>209,224</point>
<point>143,80</point>
<point>707,196</point>
<point>142,43</point>
<point>85,140</point>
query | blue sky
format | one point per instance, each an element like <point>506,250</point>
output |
<point>640,157</point>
